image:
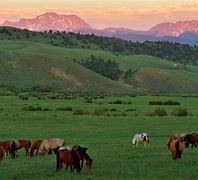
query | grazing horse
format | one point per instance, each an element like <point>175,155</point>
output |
<point>191,139</point>
<point>140,137</point>
<point>6,146</point>
<point>82,155</point>
<point>2,153</point>
<point>35,146</point>
<point>18,144</point>
<point>176,147</point>
<point>69,158</point>
<point>51,144</point>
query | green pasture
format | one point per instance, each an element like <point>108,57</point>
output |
<point>108,137</point>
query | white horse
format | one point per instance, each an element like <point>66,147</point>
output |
<point>140,137</point>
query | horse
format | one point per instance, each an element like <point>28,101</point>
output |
<point>18,144</point>
<point>6,146</point>
<point>191,139</point>
<point>36,147</point>
<point>51,144</point>
<point>176,147</point>
<point>140,137</point>
<point>82,155</point>
<point>2,153</point>
<point>69,158</point>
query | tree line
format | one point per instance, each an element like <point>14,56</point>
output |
<point>178,53</point>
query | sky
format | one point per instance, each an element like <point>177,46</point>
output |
<point>134,14</point>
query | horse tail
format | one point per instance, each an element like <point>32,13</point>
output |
<point>57,160</point>
<point>178,152</point>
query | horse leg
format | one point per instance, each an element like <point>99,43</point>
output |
<point>67,165</point>
<point>136,144</point>
<point>36,152</point>
<point>26,151</point>
<point>71,168</point>
<point>81,166</point>
<point>78,168</point>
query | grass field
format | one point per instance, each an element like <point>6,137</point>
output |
<point>108,137</point>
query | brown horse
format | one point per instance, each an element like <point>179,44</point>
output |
<point>6,146</point>
<point>2,153</point>
<point>50,144</point>
<point>82,155</point>
<point>176,147</point>
<point>191,139</point>
<point>36,147</point>
<point>69,158</point>
<point>18,144</point>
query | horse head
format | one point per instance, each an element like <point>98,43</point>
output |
<point>89,163</point>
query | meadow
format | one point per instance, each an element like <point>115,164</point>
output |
<point>106,130</point>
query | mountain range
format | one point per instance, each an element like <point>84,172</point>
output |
<point>185,32</point>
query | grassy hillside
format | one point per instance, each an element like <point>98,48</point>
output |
<point>174,52</point>
<point>26,65</point>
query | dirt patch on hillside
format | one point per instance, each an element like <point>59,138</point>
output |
<point>65,76</point>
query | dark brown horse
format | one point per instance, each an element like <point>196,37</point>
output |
<point>18,144</point>
<point>69,158</point>
<point>6,146</point>
<point>82,155</point>
<point>2,153</point>
<point>191,139</point>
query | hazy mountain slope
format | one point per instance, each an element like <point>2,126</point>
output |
<point>50,21</point>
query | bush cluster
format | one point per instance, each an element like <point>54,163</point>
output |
<point>157,112</point>
<point>169,102</point>
<point>180,112</point>
<point>64,109</point>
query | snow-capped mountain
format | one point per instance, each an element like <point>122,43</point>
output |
<point>174,29</point>
<point>164,31</point>
<point>51,21</point>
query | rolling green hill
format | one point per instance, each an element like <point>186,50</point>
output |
<point>26,65</point>
<point>174,52</point>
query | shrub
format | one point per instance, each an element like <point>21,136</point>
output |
<point>89,101</point>
<point>179,112</point>
<point>98,112</point>
<point>64,109</point>
<point>123,114</point>
<point>169,102</point>
<point>81,112</point>
<point>113,109</point>
<point>32,108</point>
<point>149,114</point>
<point>130,109</point>
<point>46,109</point>
<point>118,102</point>
<point>129,102</point>
<point>160,112</point>
<point>23,97</point>
<point>157,112</point>
<point>105,109</point>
